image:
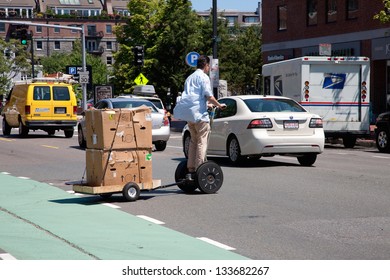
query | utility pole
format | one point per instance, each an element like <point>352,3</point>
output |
<point>215,41</point>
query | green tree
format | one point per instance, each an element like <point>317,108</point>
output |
<point>14,59</point>
<point>384,15</point>
<point>168,30</point>
<point>241,59</point>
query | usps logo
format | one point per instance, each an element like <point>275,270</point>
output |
<point>278,85</point>
<point>334,81</point>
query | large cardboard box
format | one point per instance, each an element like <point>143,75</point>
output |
<point>119,128</point>
<point>119,167</point>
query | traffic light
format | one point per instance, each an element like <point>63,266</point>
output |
<point>23,36</point>
<point>138,55</point>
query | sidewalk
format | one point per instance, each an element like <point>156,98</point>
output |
<point>42,222</point>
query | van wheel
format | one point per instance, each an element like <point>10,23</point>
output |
<point>23,130</point>
<point>51,132</point>
<point>68,133</point>
<point>6,128</point>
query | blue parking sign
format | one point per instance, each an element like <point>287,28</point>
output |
<point>72,70</point>
<point>192,59</point>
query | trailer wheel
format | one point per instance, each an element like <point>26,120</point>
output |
<point>209,177</point>
<point>180,174</point>
<point>131,191</point>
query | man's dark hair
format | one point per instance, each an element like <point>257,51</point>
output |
<point>202,61</point>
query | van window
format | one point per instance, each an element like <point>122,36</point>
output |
<point>41,93</point>
<point>61,93</point>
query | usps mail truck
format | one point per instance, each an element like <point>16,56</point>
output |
<point>336,88</point>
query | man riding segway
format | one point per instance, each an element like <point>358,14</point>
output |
<point>192,108</point>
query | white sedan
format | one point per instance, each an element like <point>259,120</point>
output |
<point>253,126</point>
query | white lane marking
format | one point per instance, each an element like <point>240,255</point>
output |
<point>157,222</point>
<point>175,147</point>
<point>216,243</point>
<point>110,205</point>
<point>24,178</point>
<point>5,173</point>
<point>73,192</point>
<point>7,257</point>
<point>381,157</point>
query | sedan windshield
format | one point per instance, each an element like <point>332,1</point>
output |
<point>273,105</point>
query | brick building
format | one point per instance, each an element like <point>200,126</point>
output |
<point>294,28</point>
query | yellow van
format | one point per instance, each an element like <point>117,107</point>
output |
<point>48,105</point>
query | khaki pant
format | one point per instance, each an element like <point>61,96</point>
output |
<point>198,145</point>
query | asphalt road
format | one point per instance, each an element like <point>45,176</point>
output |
<point>272,208</point>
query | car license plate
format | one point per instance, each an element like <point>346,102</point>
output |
<point>60,110</point>
<point>291,124</point>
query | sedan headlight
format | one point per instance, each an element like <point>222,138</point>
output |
<point>316,123</point>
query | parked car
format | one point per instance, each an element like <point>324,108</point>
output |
<point>382,132</point>
<point>160,128</point>
<point>155,100</point>
<point>253,126</point>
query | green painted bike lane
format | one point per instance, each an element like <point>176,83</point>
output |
<point>42,222</point>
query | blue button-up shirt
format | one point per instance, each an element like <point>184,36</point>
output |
<point>192,106</point>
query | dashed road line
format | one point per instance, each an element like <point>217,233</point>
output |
<point>383,157</point>
<point>216,243</point>
<point>24,178</point>
<point>155,221</point>
<point>110,205</point>
<point>51,147</point>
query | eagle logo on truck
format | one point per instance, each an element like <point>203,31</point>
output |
<point>334,81</point>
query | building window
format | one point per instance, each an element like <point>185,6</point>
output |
<point>2,27</point>
<point>109,29</point>
<point>109,45</point>
<point>57,45</point>
<point>331,11</point>
<point>39,45</point>
<point>56,29</point>
<point>282,17</point>
<point>312,15</point>
<point>38,29</point>
<point>109,60</point>
<point>250,19</point>
<point>352,9</point>
<point>232,20</point>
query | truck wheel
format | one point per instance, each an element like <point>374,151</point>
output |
<point>6,128</point>
<point>23,130</point>
<point>180,174</point>
<point>307,160</point>
<point>382,140</point>
<point>349,141</point>
<point>131,191</point>
<point>209,177</point>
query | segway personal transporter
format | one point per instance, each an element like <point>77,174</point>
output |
<point>208,176</point>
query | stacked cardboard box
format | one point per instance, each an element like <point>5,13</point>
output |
<point>119,147</point>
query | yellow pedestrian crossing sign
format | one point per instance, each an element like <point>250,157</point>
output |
<point>141,80</point>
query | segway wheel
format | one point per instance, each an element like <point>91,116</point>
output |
<point>180,175</point>
<point>209,177</point>
<point>131,191</point>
